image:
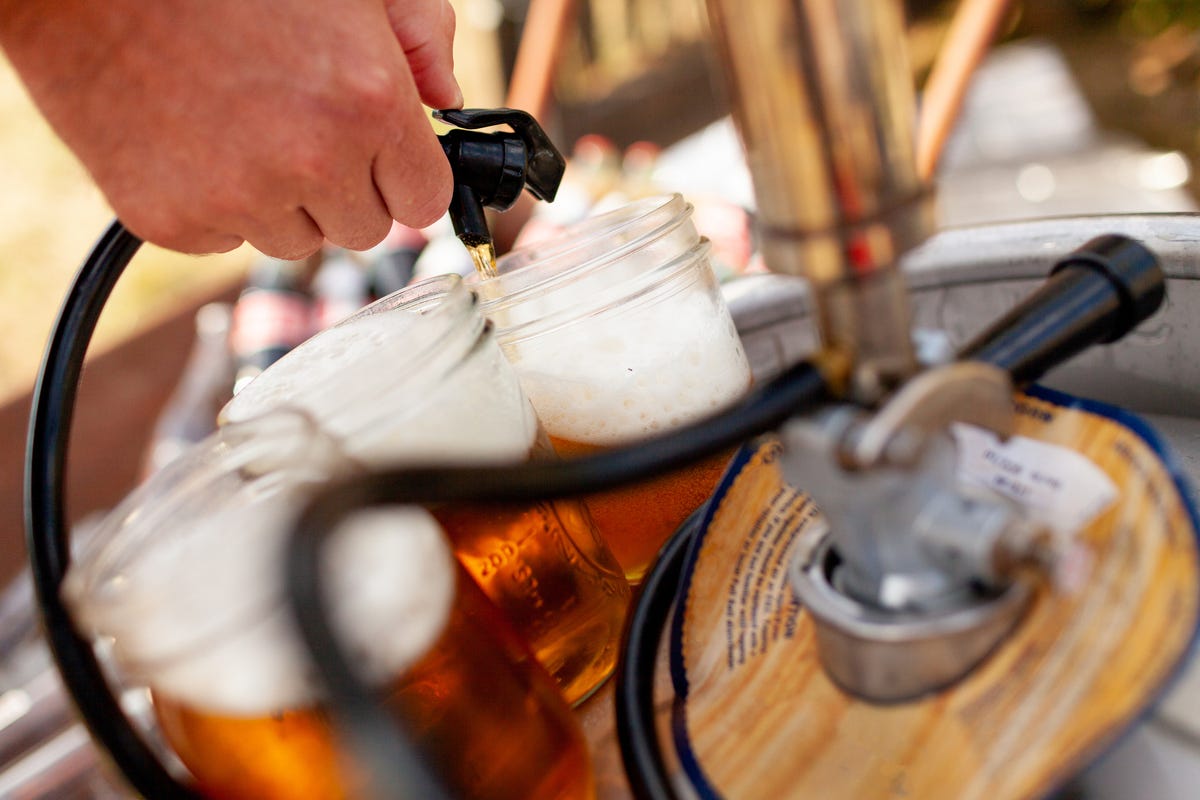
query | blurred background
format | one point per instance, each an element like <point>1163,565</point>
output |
<point>633,70</point>
<point>1084,106</point>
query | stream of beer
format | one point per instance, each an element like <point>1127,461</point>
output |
<point>484,256</point>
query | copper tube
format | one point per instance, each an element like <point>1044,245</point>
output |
<point>822,96</point>
<point>971,33</point>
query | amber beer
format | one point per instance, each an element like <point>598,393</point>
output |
<point>405,382</point>
<point>183,588</point>
<point>547,571</point>
<point>637,519</point>
<point>468,700</point>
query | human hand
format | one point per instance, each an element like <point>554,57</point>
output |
<point>282,123</point>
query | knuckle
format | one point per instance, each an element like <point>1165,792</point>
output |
<point>370,92</point>
<point>425,209</point>
<point>369,230</point>
<point>292,248</point>
<point>310,161</point>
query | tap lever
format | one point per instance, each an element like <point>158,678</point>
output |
<point>491,169</point>
<point>544,164</point>
<point>1096,294</point>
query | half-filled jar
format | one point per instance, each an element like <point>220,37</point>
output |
<point>618,331</point>
<point>417,378</point>
<point>181,591</point>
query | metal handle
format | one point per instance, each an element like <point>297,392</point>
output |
<point>1095,295</point>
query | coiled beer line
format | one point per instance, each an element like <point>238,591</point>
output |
<point>45,521</point>
<point>48,543</point>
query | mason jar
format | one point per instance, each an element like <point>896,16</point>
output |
<point>417,377</point>
<point>181,591</point>
<point>618,331</point>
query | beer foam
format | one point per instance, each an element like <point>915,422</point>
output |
<point>619,377</point>
<point>343,356</point>
<point>199,615</point>
<point>347,380</point>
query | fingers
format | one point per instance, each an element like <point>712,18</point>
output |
<point>158,225</point>
<point>311,132</point>
<point>425,31</point>
<point>356,220</point>
<point>292,235</point>
<point>410,170</point>
<point>415,185</point>
<point>219,225</point>
<point>198,243</point>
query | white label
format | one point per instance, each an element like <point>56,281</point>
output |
<point>1056,485</point>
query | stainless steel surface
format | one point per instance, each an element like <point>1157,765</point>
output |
<point>31,713</point>
<point>822,98</point>
<point>890,657</point>
<point>908,537</point>
<point>64,767</point>
<point>962,279</point>
<point>972,393</point>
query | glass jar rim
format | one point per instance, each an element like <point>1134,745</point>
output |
<point>541,266</point>
<point>443,302</point>
<point>648,284</point>
<point>444,298</point>
<point>283,451</point>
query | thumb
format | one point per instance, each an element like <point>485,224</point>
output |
<point>425,31</point>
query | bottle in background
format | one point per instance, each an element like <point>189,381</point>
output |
<point>393,263</point>
<point>272,315</point>
<point>340,287</point>
<point>637,170</point>
<point>190,413</point>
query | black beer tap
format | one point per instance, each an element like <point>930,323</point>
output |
<point>491,169</point>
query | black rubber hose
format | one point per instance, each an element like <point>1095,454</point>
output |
<point>797,391</point>
<point>1095,295</point>
<point>47,539</point>
<point>45,521</point>
<point>641,751</point>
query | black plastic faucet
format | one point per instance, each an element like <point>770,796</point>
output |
<point>491,169</point>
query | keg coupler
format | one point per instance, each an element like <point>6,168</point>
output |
<point>918,577</point>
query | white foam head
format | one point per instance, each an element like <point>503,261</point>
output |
<point>360,382</point>
<point>199,614</point>
<point>334,357</point>
<point>623,375</point>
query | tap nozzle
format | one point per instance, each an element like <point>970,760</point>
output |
<point>491,169</point>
